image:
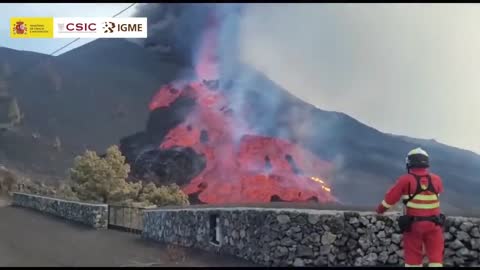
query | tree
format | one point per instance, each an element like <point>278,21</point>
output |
<point>101,179</point>
<point>163,195</point>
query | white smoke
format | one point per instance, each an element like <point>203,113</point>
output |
<point>182,27</point>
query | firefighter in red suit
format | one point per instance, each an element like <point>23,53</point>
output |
<point>422,222</point>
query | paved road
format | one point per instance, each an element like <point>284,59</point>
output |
<point>29,238</point>
<point>3,202</point>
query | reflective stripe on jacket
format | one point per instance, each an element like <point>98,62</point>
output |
<point>424,204</point>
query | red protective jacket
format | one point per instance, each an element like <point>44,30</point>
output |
<point>424,204</point>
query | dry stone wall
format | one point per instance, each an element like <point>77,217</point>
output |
<point>293,237</point>
<point>93,215</point>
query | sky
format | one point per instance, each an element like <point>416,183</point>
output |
<point>407,69</point>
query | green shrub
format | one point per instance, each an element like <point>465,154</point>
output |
<point>163,195</point>
<point>101,179</point>
<point>66,192</point>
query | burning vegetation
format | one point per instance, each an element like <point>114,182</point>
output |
<point>196,139</point>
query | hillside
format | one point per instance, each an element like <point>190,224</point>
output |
<point>96,94</point>
<point>368,161</point>
<point>88,97</point>
<point>13,61</point>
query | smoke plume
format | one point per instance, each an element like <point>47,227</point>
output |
<point>200,33</point>
<point>185,31</point>
<point>178,28</point>
<point>344,56</point>
<point>183,28</point>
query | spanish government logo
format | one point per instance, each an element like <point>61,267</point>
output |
<point>31,27</point>
<point>20,28</point>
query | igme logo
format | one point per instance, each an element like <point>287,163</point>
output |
<point>110,27</point>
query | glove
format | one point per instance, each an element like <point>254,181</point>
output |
<point>381,209</point>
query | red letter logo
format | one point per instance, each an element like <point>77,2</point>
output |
<point>69,27</point>
<point>92,27</point>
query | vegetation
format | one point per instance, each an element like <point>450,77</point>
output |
<point>11,182</point>
<point>164,195</point>
<point>99,179</point>
<point>65,192</point>
<point>28,186</point>
<point>8,181</point>
<point>103,179</point>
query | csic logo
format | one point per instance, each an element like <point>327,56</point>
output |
<point>77,27</point>
<point>110,27</point>
<point>20,28</point>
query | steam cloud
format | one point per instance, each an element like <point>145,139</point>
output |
<point>179,29</point>
<point>343,56</point>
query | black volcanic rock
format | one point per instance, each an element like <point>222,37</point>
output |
<point>132,146</point>
<point>175,165</point>
<point>161,120</point>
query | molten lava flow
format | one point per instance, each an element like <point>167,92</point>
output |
<point>164,97</point>
<point>251,168</point>
<point>324,185</point>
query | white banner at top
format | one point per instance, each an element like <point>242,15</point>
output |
<point>93,27</point>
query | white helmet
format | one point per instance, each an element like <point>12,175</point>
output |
<point>417,158</point>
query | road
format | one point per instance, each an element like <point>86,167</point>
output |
<point>29,238</point>
<point>3,202</point>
